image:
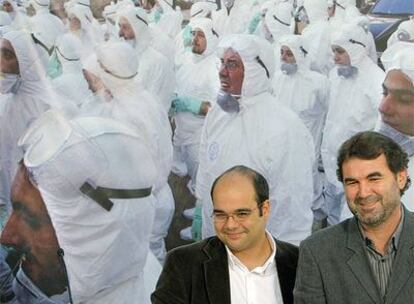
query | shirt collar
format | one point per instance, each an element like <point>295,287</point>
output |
<point>234,262</point>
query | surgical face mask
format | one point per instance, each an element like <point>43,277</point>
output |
<point>54,66</point>
<point>347,71</point>
<point>27,292</point>
<point>228,3</point>
<point>227,102</point>
<point>289,68</point>
<point>10,83</point>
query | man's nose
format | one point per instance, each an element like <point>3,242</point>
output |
<point>365,190</point>
<point>385,106</point>
<point>231,222</point>
<point>10,233</point>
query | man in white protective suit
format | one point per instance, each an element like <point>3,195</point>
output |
<point>23,61</point>
<point>71,82</point>
<point>132,104</point>
<point>397,108</point>
<point>355,92</point>
<point>247,126</point>
<point>316,35</point>
<point>155,70</point>
<point>19,19</point>
<point>305,92</point>
<point>82,212</point>
<point>232,18</point>
<point>53,23</point>
<point>196,93</point>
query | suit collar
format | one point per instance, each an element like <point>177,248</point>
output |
<point>216,274</point>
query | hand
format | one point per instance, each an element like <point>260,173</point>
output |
<point>186,104</point>
<point>197,222</point>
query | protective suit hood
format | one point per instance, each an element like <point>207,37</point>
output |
<point>118,65</point>
<point>104,247</point>
<point>40,5</point>
<point>295,44</point>
<point>68,49</point>
<point>317,10</point>
<point>279,21</point>
<point>137,17</point>
<point>258,60</point>
<point>201,9</point>
<point>353,39</point>
<point>400,57</point>
<point>32,57</point>
<point>5,22</point>
<point>206,25</point>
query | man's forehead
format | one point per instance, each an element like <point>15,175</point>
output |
<point>231,54</point>
<point>123,21</point>
<point>396,79</point>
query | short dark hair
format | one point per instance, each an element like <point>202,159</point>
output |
<point>260,185</point>
<point>370,145</point>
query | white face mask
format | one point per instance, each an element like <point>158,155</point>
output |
<point>10,83</point>
<point>131,42</point>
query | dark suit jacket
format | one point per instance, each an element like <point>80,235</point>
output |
<point>334,268</point>
<point>198,274</point>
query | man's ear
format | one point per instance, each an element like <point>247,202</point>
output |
<point>266,208</point>
<point>402,178</point>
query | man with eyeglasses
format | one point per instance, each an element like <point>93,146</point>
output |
<point>355,91</point>
<point>248,126</point>
<point>243,263</point>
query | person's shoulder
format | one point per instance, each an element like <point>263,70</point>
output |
<point>195,250</point>
<point>329,236</point>
<point>287,252</point>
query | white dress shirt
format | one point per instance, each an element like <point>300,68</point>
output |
<point>259,285</point>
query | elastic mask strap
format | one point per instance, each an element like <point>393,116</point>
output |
<point>68,59</point>
<point>37,41</point>
<point>83,4</point>
<point>263,65</point>
<point>305,52</point>
<point>45,5</point>
<point>280,21</point>
<point>143,20</point>
<point>197,13</point>
<point>357,42</point>
<point>337,4</point>
<point>101,195</point>
<point>116,76</point>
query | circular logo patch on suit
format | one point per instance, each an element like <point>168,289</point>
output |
<point>213,150</point>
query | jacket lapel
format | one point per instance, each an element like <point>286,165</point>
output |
<point>286,271</point>
<point>216,273</point>
<point>358,262</point>
<point>403,267</point>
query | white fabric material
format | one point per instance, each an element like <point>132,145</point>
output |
<point>405,26</point>
<point>90,32</point>
<point>19,20</point>
<point>399,56</point>
<point>203,86</point>
<point>259,285</point>
<point>105,251</point>
<point>5,22</point>
<point>202,9</point>
<point>32,98</point>
<point>306,93</point>
<point>132,104</point>
<point>71,83</point>
<point>155,71</point>
<point>233,22</point>
<point>46,26</point>
<point>283,12</point>
<point>353,107</point>
<point>265,136</point>
<point>170,22</point>
<point>316,36</point>
<point>190,82</point>
<point>110,27</point>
